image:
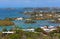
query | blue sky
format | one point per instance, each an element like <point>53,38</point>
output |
<point>29,3</point>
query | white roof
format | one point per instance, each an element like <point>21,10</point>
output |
<point>51,26</point>
<point>8,32</point>
<point>40,14</point>
<point>19,18</point>
<point>28,29</point>
<point>46,29</point>
<point>42,27</point>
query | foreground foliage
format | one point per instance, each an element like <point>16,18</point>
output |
<point>38,34</point>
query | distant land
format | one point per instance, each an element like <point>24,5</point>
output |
<point>38,8</point>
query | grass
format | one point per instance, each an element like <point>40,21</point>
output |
<point>5,23</point>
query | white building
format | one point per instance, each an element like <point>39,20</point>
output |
<point>49,28</point>
<point>19,18</point>
<point>29,30</point>
<point>40,14</point>
<point>8,32</point>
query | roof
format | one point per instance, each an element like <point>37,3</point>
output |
<point>8,32</point>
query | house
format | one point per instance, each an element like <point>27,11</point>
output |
<point>19,18</point>
<point>29,30</point>
<point>8,32</point>
<point>48,28</point>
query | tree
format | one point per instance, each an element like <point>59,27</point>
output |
<point>15,36</point>
<point>39,30</point>
<point>58,29</point>
<point>4,29</point>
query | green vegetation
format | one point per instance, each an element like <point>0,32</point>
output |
<point>30,21</point>
<point>29,35</point>
<point>38,34</point>
<point>39,30</point>
<point>5,23</point>
<point>10,19</point>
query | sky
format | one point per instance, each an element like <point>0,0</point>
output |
<point>29,3</point>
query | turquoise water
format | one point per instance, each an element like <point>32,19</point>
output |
<point>21,24</point>
<point>38,23</point>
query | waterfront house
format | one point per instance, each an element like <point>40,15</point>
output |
<point>20,18</point>
<point>48,28</point>
<point>8,32</point>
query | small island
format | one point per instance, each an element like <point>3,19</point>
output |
<point>30,21</point>
<point>6,23</point>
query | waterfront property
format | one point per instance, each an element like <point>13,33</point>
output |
<point>43,15</point>
<point>9,32</point>
<point>48,28</point>
<point>20,18</point>
<point>39,15</point>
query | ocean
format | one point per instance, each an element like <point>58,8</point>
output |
<point>19,13</point>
